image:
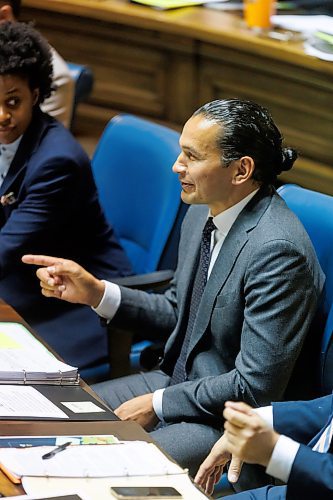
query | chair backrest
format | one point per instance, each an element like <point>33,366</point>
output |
<point>83,80</point>
<point>137,188</point>
<point>315,210</point>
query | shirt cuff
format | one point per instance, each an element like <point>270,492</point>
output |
<point>110,302</point>
<point>282,458</point>
<point>266,413</point>
<point>157,403</point>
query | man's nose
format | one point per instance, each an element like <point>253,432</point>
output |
<point>179,166</point>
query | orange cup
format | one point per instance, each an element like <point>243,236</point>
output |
<point>257,13</point>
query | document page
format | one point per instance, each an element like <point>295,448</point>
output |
<point>23,357</point>
<point>305,24</point>
<point>25,401</point>
<point>128,458</point>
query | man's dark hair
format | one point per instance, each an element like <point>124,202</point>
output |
<point>15,5</point>
<point>25,53</point>
<point>248,129</point>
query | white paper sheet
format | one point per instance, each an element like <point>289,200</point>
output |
<point>25,401</point>
<point>82,407</point>
<point>22,356</point>
<point>305,24</point>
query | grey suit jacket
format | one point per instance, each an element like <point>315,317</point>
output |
<point>254,314</point>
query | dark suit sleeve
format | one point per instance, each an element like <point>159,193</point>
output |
<point>311,476</point>
<point>48,192</point>
<point>302,420</point>
<point>276,320</point>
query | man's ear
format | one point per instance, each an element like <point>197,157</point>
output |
<point>6,14</point>
<point>244,168</point>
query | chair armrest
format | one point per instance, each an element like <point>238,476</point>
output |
<point>146,281</point>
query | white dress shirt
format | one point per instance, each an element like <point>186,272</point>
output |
<point>60,103</point>
<point>7,153</point>
<point>111,299</point>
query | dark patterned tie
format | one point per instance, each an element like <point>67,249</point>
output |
<point>179,373</point>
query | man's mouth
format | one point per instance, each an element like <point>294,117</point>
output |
<point>186,186</point>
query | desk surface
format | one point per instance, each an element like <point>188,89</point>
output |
<point>122,430</point>
<point>202,24</point>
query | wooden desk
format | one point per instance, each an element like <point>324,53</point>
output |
<point>122,430</point>
<point>165,64</point>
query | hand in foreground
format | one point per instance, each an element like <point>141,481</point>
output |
<point>212,467</point>
<point>66,280</point>
<point>247,435</point>
<point>140,410</point>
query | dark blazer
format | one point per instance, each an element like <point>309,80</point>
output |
<point>56,212</point>
<point>253,317</point>
<point>311,475</point>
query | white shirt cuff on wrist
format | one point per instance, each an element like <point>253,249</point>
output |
<point>282,458</point>
<point>157,403</point>
<point>266,413</point>
<point>110,302</point>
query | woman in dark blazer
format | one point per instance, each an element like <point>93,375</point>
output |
<point>48,201</point>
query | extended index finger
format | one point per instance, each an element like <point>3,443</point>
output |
<point>41,260</point>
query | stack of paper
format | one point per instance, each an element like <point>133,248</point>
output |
<point>318,30</point>
<point>304,24</point>
<point>25,360</point>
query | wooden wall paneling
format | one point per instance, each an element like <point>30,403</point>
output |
<point>141,71</point>
<point>300,99</point>
<point>165,64</point>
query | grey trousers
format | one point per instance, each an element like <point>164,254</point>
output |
<point>188,443</point>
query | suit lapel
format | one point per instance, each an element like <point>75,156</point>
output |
<point>316,438</point>
<point>185,280</point>
<point>29,143</point>
<point>232,246</point>
<point>190,268</point>
<point>192,260</point>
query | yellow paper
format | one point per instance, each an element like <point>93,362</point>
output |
<point>7,342</point>
<point>169,4</point>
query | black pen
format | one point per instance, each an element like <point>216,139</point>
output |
<point>56,450</point>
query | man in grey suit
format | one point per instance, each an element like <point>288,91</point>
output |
<point>238,337</point>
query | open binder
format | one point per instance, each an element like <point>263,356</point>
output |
<point>126,458</point>
<point>93,471</point>
<point>25,360</point>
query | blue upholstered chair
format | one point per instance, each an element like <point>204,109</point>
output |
<point>84,81</point>
<point>137,189</point>
<point>141,198</point>
<point>315,210</point>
